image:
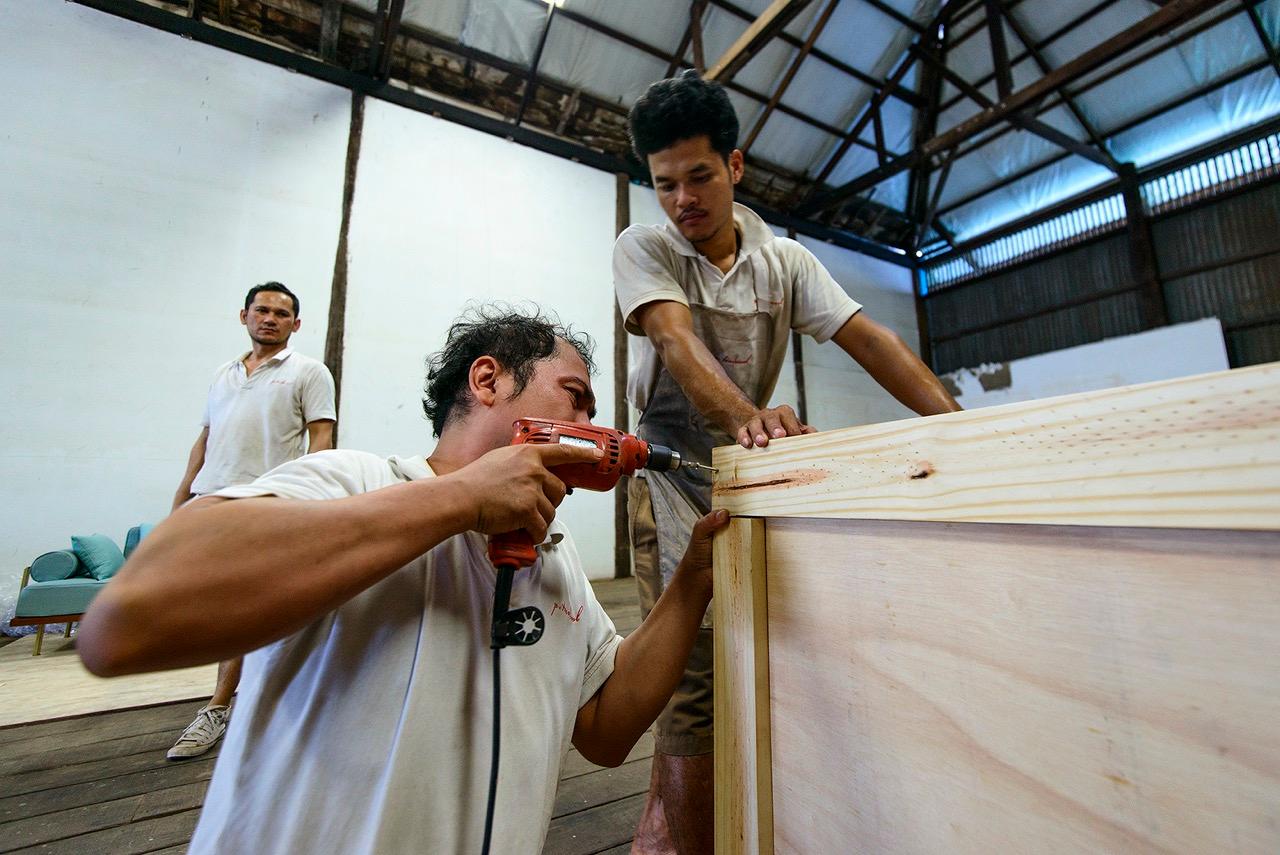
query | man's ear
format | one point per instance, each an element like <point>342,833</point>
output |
<point>297,324</point>
<point>482,380</point>
<point>244,317</point>
<point>736,165</point>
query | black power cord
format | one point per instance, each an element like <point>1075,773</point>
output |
<point>520,627</point>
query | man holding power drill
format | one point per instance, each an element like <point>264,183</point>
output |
<point>363,589</point>
<point>715,296</point>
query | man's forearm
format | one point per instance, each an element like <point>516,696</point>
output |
<point>649,665</point>
<point>895,366</point>
<point>705,382</point>
<point>220,578</point>
<point>195,462</point>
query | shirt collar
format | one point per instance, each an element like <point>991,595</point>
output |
<point>753,233</point>
<point>416,468</point>
<point>281,356</point>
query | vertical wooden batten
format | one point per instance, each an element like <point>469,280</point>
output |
<point>333,340</point>
<point>743,753</point>
<point>621,418</point>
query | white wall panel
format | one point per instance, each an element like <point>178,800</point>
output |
<point>839,393</point>
<point>148,183</point>
<point>444,215</point>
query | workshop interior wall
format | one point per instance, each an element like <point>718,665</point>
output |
<point>148,183</point>
<point>445,216</point>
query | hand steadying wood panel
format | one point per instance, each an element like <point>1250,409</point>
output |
<point>1106,681</point>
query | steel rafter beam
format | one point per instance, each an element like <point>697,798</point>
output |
<point>1261,32</point>
<point>1155,170</point>
<point>886,9</point>
<point>868,114</point>
<point>760,32</point>
<point>1081,19</point>
<point>1176,12</point>
<point>1119,129</point>
<point>1116,70</point>
<point>674,65</point>
<point>999,52</point>
<point>871,111</point>
<point>1041,129</point>
<point>905,95</point>
<point>531,80</point>
<point>696,11</point>
<point>931,82</point>
<point>1029,46</point>
<point>781,90</point>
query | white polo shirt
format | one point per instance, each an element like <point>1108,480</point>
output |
<point>368,731</point>
<point>774,279</point>
<point>258,421</point>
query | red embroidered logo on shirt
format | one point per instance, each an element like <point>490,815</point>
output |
<point>574,617</point>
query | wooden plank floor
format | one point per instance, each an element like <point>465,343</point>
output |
<point>100,783</point>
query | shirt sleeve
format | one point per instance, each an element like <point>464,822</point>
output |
<point>332,474</point>
<point>318,394</point>
<point>820,307</point>
<point>602,640</point>
<point>640,275</point>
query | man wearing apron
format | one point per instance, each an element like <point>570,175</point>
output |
<point>712,296</point>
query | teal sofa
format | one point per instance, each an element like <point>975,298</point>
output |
<point>58,586</point>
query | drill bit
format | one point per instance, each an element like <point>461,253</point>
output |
<point>709,471</point>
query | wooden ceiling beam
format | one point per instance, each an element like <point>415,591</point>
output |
<point>760,32</point>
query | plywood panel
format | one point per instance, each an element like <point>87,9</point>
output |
<point>1197,452</point>
<point>743,808</point>
<point>983,688</point>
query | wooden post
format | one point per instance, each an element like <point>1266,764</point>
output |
<point>333,340</point>
<point>743,757</point>
<point>621,417</point>
<point>1142,252</point>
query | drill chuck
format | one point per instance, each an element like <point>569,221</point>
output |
<point>662,459</point>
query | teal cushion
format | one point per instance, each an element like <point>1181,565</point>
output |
<point>99,553</point>
<point>135,536</point>
<point>61,597</point>
<point>53,566</point>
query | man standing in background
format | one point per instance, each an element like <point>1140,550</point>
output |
<point>715,295</point>
<point>260,405</point>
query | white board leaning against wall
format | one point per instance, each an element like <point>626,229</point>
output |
<point>1180,350</point>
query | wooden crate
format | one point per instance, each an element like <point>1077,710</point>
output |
<point>1043,627</point>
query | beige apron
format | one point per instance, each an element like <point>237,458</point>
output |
<point>742,343</point>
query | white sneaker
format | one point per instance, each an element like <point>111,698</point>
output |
<point>202,734</point>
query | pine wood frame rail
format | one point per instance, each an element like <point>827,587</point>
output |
<point>1048,626</point>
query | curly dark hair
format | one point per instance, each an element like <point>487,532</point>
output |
<point>517,339</point>
<point>272,286</point>
<point>681,108</point>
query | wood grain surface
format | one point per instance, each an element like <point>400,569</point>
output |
<point>960,688</point>
<point>1197,452</point>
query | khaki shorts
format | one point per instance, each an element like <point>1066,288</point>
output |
<point>685,726</point>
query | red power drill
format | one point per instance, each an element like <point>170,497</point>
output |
<point>624,453</point>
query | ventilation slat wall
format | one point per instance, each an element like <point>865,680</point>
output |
<point>1047,305</point>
